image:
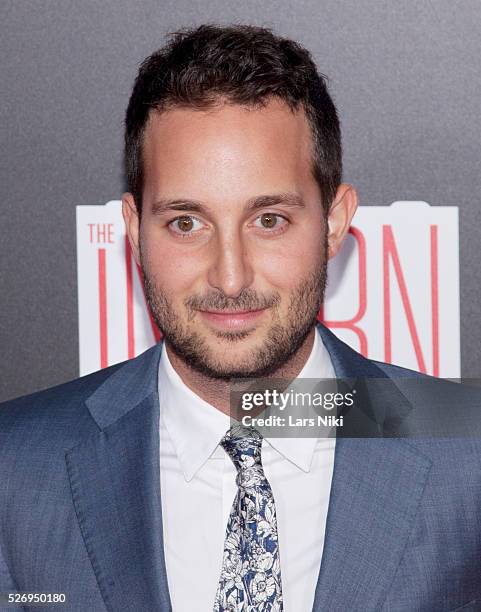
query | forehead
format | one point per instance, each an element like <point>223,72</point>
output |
<point>227,143</point>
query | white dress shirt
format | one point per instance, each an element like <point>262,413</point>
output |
<point>198,488</point>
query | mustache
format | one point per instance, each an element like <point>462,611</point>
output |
<point>248,299</point>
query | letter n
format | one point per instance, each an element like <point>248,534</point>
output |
<point>390,253</point>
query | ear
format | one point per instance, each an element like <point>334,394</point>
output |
<point>132,223</point>
<point>340,215</point>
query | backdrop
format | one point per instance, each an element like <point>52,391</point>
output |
<point>405,77</point>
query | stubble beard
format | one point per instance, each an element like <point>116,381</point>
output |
<point>282,340</point>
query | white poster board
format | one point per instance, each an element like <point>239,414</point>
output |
<point>393,290</point>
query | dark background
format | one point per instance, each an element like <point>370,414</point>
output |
<point>405,77</point>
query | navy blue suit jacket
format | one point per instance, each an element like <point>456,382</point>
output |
<point>80,502</point>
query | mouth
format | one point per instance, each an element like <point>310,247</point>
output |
<point>232,319</point>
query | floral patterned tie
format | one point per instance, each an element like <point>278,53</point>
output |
<point>250,579</point>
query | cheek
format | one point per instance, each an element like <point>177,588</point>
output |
<point>172,270</point>
<point>286,267</point>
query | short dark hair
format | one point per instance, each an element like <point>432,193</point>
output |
<point>240,64</point>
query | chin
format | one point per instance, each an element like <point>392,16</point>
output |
<point>230,355</point>
<point>231,334</point>
<point>223,347</point>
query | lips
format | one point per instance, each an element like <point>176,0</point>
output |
<point>232,319</point>
<point>231,312</point>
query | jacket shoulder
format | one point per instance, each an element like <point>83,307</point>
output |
<point>78,388</point>
<point>57,413</point>
<point>395,371</point>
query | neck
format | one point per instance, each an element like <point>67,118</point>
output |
<point>217,392</point>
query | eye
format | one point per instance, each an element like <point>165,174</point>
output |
<point>184,225</point>
<point>270,221</point>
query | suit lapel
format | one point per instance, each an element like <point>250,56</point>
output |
<point>376,489</point>
<point>114,477</point>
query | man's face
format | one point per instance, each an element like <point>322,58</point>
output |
<point>232,240</point>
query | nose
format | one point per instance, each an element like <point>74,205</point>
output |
<point>230,271</point>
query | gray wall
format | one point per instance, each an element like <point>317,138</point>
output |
<point>405,75</point>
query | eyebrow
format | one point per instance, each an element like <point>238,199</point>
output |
<point>290,200</point>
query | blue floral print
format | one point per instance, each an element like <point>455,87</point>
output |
<point>250,579</point>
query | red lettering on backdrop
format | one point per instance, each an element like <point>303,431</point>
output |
<point>104,233</point>
<point>435,297</point>
<point>103,309</point>
<point>352,323</point>
<point>130,303</point>
<point>390,253</point>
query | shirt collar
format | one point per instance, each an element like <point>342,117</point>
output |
<point>196,427</point>
<point>300,450</point>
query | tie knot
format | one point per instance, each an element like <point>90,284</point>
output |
<point>243,445</point>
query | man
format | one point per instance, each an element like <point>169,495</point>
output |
<point>117,489</point>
